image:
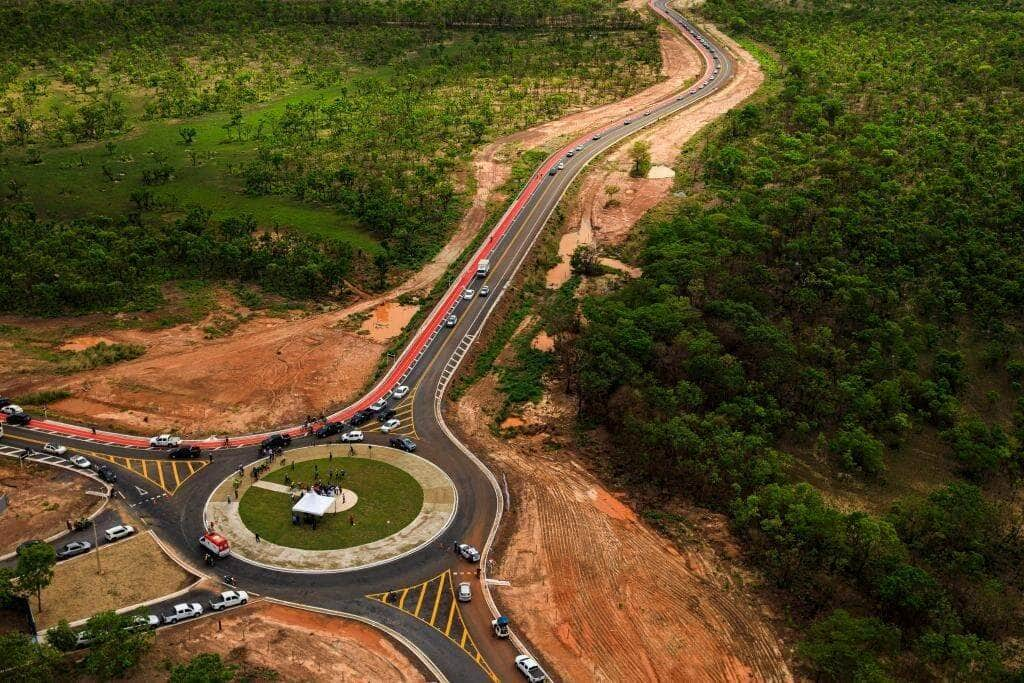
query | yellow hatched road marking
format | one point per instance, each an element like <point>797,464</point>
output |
<point>401,600</point>
<point>437,600</point>
<point>177,479</point>
<point>451,616</point>
<point>462,643</point>
<point>160,471</point>
<point>145,471</point>
<point>419,603</point>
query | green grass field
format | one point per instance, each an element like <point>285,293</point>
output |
<point>389,499</point>
<point>75,181</point>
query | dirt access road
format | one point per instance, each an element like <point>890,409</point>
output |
<point>299,645</point>
<point>598,593</point>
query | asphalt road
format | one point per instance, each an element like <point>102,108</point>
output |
<point>170,497</point>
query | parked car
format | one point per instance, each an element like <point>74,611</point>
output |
<point>229,599</point>
<point>185,453</point>
<point>165,441</point>
<point>362,417</point>
<point>469,552</point>
<point>485,290</point>
<point>83,639</point>
<point>377,405</point>
<point>392,424</point>
<point>142,622</point>
<point>19,419</point>
<point>529,667</point>
<point>354,436</point>
<point>386,414</point>
<point>403,443</point>
<point>400,391</point>
<point>11,409</point>
<point>465,593</point>
<point>106,474</point>
<point>55,449</point>
<point>451,320</point>
<point>276,441</point>
<point>80,461</point>
<point>183,611</point>
<point>647,113</point>
<point>468,294</point>
<point>119,531</point>
<point>4,401</point>
<point>73,548</point>
<point>329,429</point>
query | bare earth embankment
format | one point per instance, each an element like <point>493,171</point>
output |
<point>620,602</point>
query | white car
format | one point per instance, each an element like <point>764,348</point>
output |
<point>393,423</point>
<point>355,436</point>
<point>647,113</point>
<point>119,531</point>
<point>378,405</point>
<point>468,294</point>
<point>183,610</point>
<point>451,320</point>
<point>465,592</point>
<point>55,449</point>
<point>485,290</point>
<point>529,667</point>
<point>561,165</point>
<point>80,461</point>
<point>579,148</point>
<point>165,440</point>
<point>142,622</point>
<point>400,391</point>
<point>229,599</point>
<point>11,409</point>
<point>469,552</point>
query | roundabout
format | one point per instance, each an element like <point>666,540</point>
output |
<point>379,504</point>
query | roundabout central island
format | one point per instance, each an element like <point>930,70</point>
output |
<point>375,503</point>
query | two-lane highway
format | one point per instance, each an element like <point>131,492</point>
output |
<point>427,364</point>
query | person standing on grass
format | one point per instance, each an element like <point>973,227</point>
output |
<point>257,537</point>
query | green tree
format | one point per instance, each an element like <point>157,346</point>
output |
<point>641,155</point>
<point>842,647</point>
<point>117,646</point>
<point>187,134</point>
<point>204,668</point>
<point>62,636</point>
<point>22,660</point>
<point>34,570</point>
<point>584,261</point>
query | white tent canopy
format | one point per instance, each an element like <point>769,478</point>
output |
<point>313,503</point>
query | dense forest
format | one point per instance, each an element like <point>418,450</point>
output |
<point>345,139</point>
<point>842,291</point>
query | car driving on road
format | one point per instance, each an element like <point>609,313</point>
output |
<point>229,599</point>
<point>276,441</point>
<point>19,419</point>
<point>11,409</point>
<point>185,452</point>
<point>165,441</point>
<point>468,294</point>
<point>55,449</point>
<point>392,424</point>
<point>451,320</point>
<point>329,429</point>
<point>465,592</point>
<point>400,391</point>
<point>485,290</point>
<point>469,552</point>
<point>106,474</point>
<point>73,548</point>
<point>529,667</point>
<point>80,462</point>
<point>361,417</point>
<point>403,443</point>
<point>377,405</point>
<point>355,436</point>
<point>119,531</point>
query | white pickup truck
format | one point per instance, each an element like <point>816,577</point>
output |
<point>183,611</point>
<point>229,599</point>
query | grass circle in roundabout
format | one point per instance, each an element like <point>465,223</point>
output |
<point>389,499</point>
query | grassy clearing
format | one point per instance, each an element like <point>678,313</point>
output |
<point>389,499</point>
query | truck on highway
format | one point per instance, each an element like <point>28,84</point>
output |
<point>483,267</point>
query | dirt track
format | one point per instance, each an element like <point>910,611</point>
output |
<point>619,601</point>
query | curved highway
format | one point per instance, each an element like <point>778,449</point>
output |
<point>427,364</point>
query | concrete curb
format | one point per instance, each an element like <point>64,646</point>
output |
<point>408,644</point>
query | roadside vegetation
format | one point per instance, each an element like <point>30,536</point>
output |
<point>290,145</point>
<point>839,300</point>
